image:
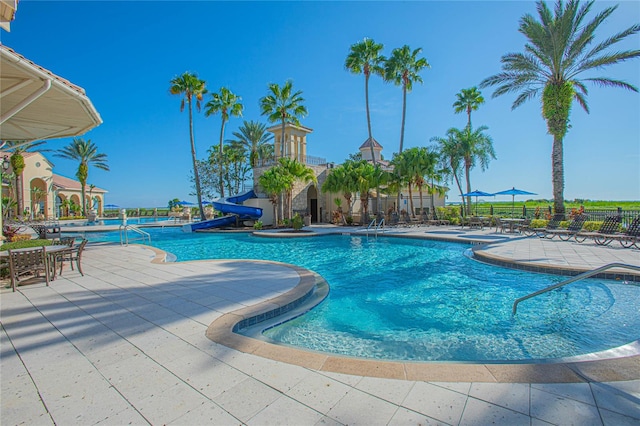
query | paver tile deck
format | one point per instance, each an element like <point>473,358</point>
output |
<point>126,344</point>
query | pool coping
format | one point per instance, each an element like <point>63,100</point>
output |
<point>598,370</point>
<point>625,367</point>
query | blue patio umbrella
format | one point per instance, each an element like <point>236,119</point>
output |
<point>111,206</point>
<point>477,194</point>
<point>513,192</point>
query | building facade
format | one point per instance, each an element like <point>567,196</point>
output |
<point>44,194</point>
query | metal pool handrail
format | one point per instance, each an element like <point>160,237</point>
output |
<point>376,226</point>
<point>572,280</point>
<point>124,235</point>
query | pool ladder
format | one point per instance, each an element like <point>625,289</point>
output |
<point>376,226</point>
<point>572,280</point>
<point>141,235</point>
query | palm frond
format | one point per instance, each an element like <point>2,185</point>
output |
<point>602,61</point>
<point>582,101</point>
<point>608,82</point>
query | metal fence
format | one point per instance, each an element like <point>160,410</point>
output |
<point>626,216</point>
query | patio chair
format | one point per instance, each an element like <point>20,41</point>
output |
<point>27,261</point>
<point>475,221</point>
<point>604,235</point>
<point>554,223</point>
<point>72,255</point>
<point>574,227</point>
<point>631,237</point>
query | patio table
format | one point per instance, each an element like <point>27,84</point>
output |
<point>50,251</point>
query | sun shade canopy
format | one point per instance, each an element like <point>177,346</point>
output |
<point>36,104</point>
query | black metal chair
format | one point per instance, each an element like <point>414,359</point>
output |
<point>604,235</point>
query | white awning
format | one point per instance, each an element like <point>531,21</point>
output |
<point>36,104</point>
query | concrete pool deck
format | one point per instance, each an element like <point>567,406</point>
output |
<point>126,344</point>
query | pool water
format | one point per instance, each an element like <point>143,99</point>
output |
<point>420,300</point>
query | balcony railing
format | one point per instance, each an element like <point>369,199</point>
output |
<point>308,159</point>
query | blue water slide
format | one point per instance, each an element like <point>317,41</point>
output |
<point>233,211</point>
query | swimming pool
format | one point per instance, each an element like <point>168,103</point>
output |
<point>420,300</point>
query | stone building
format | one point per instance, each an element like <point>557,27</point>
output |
<point>308,197</point>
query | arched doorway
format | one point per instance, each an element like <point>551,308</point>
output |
<point>312,203</point>
<point>61,207</point>
<point>38,195</point>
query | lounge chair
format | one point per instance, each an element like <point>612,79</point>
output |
<point>574,227</point>
<point>631,237</point>
<point>553,223</point>
<point>525,228</point>
<point>27,261</point>
<point>435,220</point>
<point>604,235</point>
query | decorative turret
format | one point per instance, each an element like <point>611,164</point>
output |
<point>365,149</point>
<point>295,141</point>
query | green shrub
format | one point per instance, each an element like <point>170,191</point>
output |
<point>349,220</point>
<point>257,225</point>
<point>297,222</point>
<point>538,223</point>
<point>25,244</point>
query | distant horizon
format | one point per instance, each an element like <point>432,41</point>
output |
<point>126,55</point>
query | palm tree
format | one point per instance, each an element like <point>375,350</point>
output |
<point>468,100</point>
<point>367,176</point>
<point>451,158</point>
<point>299,172</point>
<point>403,166</point>
<point>403,68</point>
<point>17,148</point>
<point>558,51</point>
<point>227,104</point>
<point>283,105</point>
<point>193,90</point>
<point>475,147</point>
<point>253,135</point>
<point>86,153</point>
<point>273,181</point>
<point>341,180</point>
<point>364,58</point>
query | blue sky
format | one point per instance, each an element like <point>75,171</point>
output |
<point>125,53</point>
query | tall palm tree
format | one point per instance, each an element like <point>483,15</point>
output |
<point>365,58</point>
<point>403,68</point>
<point>283,105</point>
<point>86,153</point>
<point>17,148</point>
<point>468,100</point>
<point>255,138</point>
<point>192,89</point>
<point>559,49</point>
<point>451,159</point>
<point>227,104</point>
<point>475,147</point>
